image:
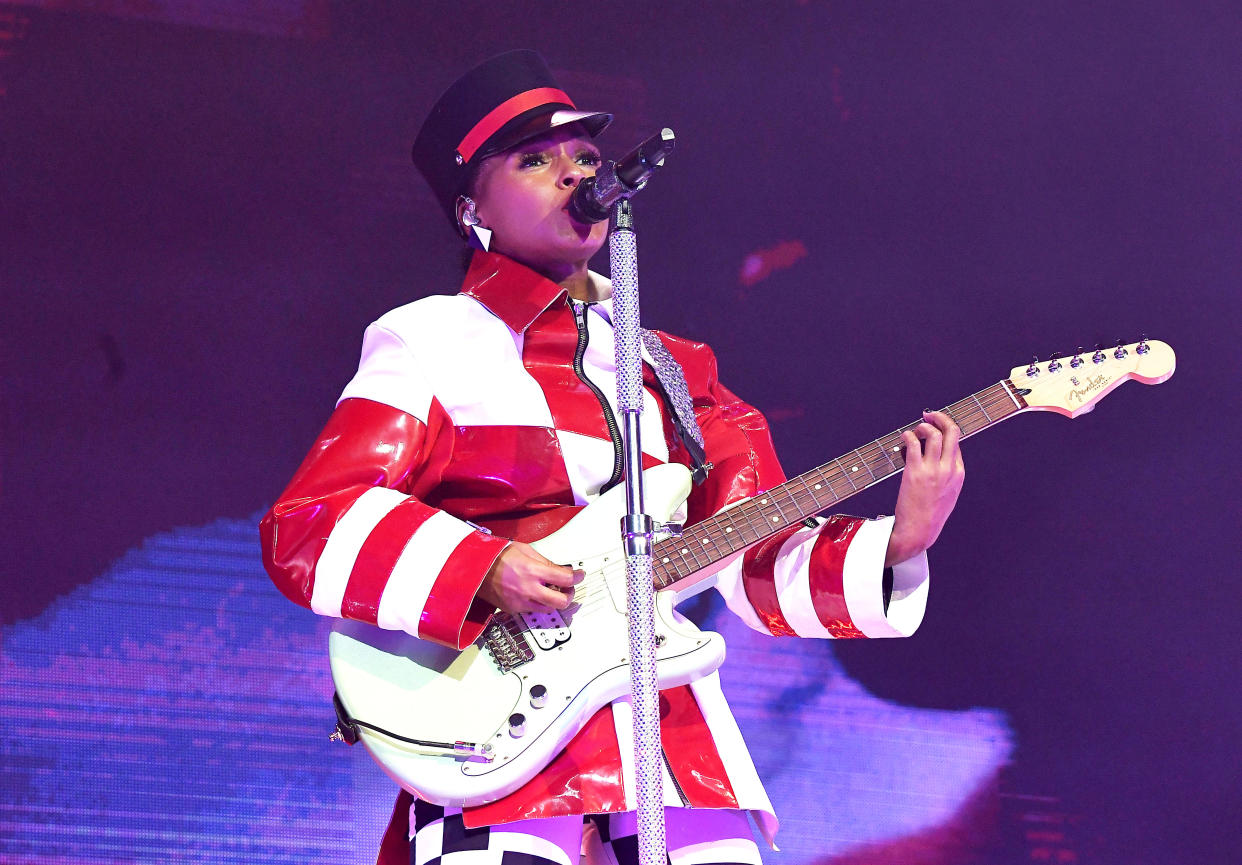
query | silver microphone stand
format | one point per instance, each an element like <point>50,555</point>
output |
<point>636,530</point>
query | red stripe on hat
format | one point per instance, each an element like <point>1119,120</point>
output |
<point>503,113</point>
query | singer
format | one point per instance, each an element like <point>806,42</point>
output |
<point>481,421</point>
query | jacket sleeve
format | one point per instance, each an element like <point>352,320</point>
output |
<point>349,537</point>
<point>823,578</point>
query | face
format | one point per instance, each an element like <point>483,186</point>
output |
<point>523,195</point>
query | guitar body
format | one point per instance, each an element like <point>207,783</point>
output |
<point>420,690</point>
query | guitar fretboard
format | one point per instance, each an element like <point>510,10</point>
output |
<point>815,491</point>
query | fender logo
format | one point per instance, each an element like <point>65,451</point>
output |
<point>1094,383</point>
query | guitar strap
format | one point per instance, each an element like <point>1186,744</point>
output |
<point>677,396</point>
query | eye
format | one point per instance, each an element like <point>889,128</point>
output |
<point>588,157</point>
<point>531,160</point>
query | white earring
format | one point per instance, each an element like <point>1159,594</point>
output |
<point>477,236</point>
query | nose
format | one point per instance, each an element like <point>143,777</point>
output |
<point>573,174</point>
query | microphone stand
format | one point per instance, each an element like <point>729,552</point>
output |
<point>637,530</point>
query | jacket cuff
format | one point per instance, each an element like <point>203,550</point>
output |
<point>862,584</point>
<point>398,563</point>
<point>453,616</point>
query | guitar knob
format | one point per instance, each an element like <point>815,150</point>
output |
<point>1053,363</point>
<point>1120,352</point>
<point>517,725</point>
<point>538,696</point>
<point>1033,370</point>
<point>1077,361</point>
<point>1142,347</point>
<point>1098,357</point>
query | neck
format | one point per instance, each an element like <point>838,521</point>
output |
<point>583,287</point>
<point>576,279</point>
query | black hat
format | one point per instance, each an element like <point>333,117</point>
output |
<point>496,105</point>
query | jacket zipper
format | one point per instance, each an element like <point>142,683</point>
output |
<point>614,431</point>
<point>681,794</point>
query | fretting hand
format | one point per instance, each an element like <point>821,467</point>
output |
<point>929,486</point>
<point>523,581</point>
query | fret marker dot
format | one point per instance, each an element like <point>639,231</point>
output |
<point>763,501</point>
<point>666,559</point>
<point>817,486</point>
<point>706,541</point>
<point>896,449</point>
<point>729,529</point>
<point>854,469</point>
<point>685,551</point>
<point>776,519</point>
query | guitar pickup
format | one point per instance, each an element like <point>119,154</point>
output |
<point>547,629</point>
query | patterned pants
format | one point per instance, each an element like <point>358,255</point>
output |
<point>694,837</point>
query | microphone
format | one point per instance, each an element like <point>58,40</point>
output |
<point>592,201</point>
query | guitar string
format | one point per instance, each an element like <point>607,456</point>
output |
<point>712,531</point>
<point>723,527</point>
<point>714,534</point>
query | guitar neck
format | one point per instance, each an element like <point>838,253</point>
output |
<point>675,560</point>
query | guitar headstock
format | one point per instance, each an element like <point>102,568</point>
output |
<point>1072,386</point>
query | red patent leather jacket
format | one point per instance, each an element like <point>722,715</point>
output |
<point>494,408</point>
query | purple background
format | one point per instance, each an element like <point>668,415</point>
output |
<point>204,204</point>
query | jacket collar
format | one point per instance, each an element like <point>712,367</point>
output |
<point>516,294</point>
<point>511,291</point>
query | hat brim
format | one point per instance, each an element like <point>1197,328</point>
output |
<point>594,122</point>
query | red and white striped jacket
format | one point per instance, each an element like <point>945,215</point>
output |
<point>495,407</point>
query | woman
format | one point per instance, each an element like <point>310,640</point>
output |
<point>476,423</point>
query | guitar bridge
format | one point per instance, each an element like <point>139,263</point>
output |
<point>506,643</point>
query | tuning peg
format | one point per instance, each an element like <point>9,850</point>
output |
<point>1120,351</point>
<point>1142,347</point>
<point>1033,370</point>
<point>1077,361</point>
<point>1098,357</point>
<point>1053,363</point>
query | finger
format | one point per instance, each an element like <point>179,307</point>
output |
<point>553,599</point>
<point>952,435</point>
<point>914,449</point>
<point>938,419</point>
<point>556,575</point>
<point>933,441</point>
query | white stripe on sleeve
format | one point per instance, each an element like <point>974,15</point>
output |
<point>733,590</point>
<point>864,594</point>
<point>793,585</point>
<point>413,575</point>
<point>345,540</point>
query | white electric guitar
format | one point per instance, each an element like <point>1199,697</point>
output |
<point>465,728</point>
